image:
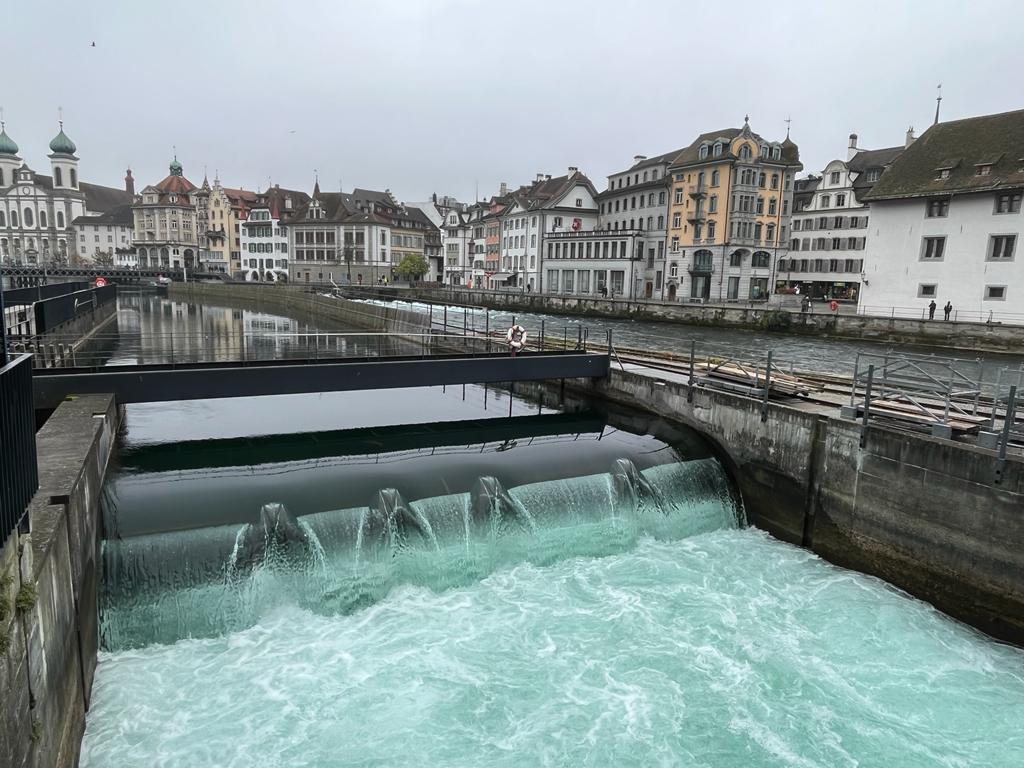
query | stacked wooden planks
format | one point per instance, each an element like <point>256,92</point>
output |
<point>739,372</point>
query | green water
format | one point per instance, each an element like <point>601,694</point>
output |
<point>723,649</point>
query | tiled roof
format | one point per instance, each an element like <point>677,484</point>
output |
<point>121,216</point>
<point>174,184</point>
<point>691,155</point>
<point>98,198</point>
<point>668,157</point>
<point>871,160</point>
<point>962,146</point>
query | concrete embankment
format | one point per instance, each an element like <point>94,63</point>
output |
<point>292,301</point>
<point>48,602</point>
<point>980,337</point>
<point>939,519</point>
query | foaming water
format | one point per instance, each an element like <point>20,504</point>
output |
<point>160,588</point>
<point>725,649</point>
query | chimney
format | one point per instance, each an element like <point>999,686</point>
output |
<point>547,177</point>
<point>503,189</point>
<point>129,183</point>
<point>540,177</point>
<point>852,148</point>
<point>639,158</point>
<point>910,137</point>
<point>573,169</point>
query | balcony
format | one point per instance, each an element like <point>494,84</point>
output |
<point>698,191</point>
<point>697,216</point>
<point>701,268</point>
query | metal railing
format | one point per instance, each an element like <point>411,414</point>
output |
<point>989,317</point>
<point>19,473</point>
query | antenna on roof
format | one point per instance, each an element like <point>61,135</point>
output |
<point>60,117</point>
<point>938,103</point>
<point>787,121</point>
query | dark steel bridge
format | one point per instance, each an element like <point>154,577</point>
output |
<point>207,380</point>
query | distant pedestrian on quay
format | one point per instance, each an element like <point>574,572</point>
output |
<point>931,310</point>
<point>948,309</point>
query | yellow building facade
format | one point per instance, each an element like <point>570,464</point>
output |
<point>730,201</point>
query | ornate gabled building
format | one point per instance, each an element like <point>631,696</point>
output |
<point>37,211</point>
<point>829,227</point>
<point>264,234</point>
<point>166,223</point>
<point>228,209</point>
<point>729,210</point>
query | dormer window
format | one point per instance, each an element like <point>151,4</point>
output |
<point>942,174</point>
<point>763,150</point>
<point>744,152</point>
<point>173,198</point>
<point>703,151</point>
<point>984,169</point>
<point>874,174</point>
<point>717,149</point>
<point>776,153</point>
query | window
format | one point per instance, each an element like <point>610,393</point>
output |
<point>932,248</point>
<point>661,198</point>
<point>874,174</point>
<point>927,290</point>
<point>834,177</point>
<point>703,151</point>
<point>744,152</point>
<point>775,181</point>
<point>736,259</point>
<point>840,201</point>
<point>28,217</point>
<point>995,293</point>
<point>3,219</point>
<point>678,197</point>
<point>1008,202</point>
<point>677,220</point>
<point>1001,247</point>
<point>715,175</point>
<point>937,208</point>
<point>711,230</point>
<point>760,205</point>
<point>42,219</point>
<point>854,222</point>
<point>825,202</point>
<point>558,222</point>
<point>733,291</point>
<point>713,204</point>
<point>717,149</point>
<point>661,222</point>
<point>984,169</point>
<point>770,237</point>
<point>943,173</point>
<point>58,177</point>
<point>761,259</point>
<point>761,180</point>
<point>579,202</point>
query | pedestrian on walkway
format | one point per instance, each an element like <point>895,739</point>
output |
<point>948,309</point>
<point>931,309</point>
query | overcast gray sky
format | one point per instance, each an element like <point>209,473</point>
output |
<point>444,95</point>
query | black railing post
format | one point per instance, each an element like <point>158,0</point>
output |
<point>541,335</point>
<point>867,405</point>
<point>693,353</point>
<point>3,328</point>
<point>1008,422</point>
<point>767,385</point>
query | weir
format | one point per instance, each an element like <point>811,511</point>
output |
<point>205,582</point>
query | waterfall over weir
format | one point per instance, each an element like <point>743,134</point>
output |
<point>159,588</point>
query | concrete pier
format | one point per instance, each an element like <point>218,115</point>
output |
<point>48,602</point>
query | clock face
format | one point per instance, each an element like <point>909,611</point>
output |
<point>26,190</point>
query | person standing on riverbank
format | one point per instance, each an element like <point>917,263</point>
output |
<point>931,309</point>
<point>947,310</point>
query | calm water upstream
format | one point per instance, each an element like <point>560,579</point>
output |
<point>454,577</point>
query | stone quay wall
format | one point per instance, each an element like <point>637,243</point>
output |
<point>49,633</point>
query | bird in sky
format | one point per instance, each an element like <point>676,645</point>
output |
<point>93,44</point>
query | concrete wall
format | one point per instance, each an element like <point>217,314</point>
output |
<point>924,514</point>
<point>292,301</point>
<point>974,336</point>
<point>47,667</point>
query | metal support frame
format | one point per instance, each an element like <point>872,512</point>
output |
<point>767,387</point>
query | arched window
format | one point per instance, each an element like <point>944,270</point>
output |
<point>3,219</point>
<point>1,177</point>
<point>28,217</point>
<point>714,178</point>
<point>74,178</point>
<point>776,153</point>
<point>632,223</point>
<point>770,236</point>
<point>775,181</point>
<point>761,259</point>
<point>143,254</point>
<point>650,222</point>
<point>60,219</point>
<point>761,180</point>
<point>58,177</point>
<point>14,219</point>
<point>718,149</point>
<point>661,222</point>
<point>42,218</point>
<point>744,152</point>
<point>165,255</point>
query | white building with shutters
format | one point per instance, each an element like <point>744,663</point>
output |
<point>830,226</point>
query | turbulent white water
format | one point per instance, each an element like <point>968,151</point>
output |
<point>724,649</point>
